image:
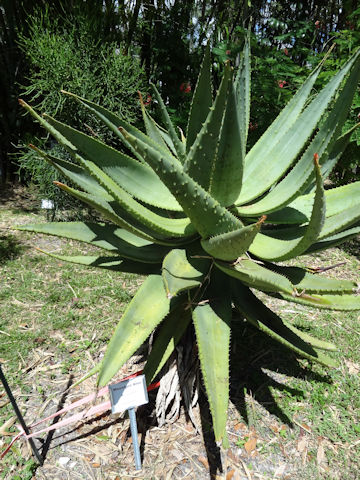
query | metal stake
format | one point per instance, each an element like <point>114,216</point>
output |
<point>20,417</point>
<point>134,434</point>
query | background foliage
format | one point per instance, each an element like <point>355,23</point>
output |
<point>71,43</point>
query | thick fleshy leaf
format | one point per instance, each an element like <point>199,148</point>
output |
<point>206,214</point>
<point>280,156</point>
<point>163,225</point>
<point>109,209</point>
<point>177,143</point>
<point>136,178</point>
<point>334,240</point>
<point>182,272</point>
<point>242,93</point>
<point>201,159</point>
<point>275,249</point>
<point>145,311</point>
<point>115,123</point>
<point>201,101</point>
<point>108,237</point>
<point>268,322</point>
<point>254,275</point>
<point>343,302</point>
<point>118,264</point>
<point>338,199</point>
<point>168,336</point>
<point>278,130</point>
<point>303,280</point>
<point>225,187</point>
<point>212,323</point>
<point>76,174</point>
<point>230,246</point>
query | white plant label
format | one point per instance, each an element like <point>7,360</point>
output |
<point>128,394</point>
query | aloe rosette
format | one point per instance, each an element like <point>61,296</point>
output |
<point>208,221</point>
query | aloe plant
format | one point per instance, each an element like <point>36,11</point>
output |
<point>208,221</point>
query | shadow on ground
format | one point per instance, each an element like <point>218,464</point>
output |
<point>352,247</point>
<point>10,248</point>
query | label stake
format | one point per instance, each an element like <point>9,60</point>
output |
<point>134,434</point>
<point>20,417</point>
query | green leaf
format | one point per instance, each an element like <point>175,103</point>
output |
<point>152,130</point>
<point>177,143</point>
<point>201,101</point>
<point>230,246</point>
<point>282,154</point>
<point>168,336</point>
<point>137,179</point>
<point>75,174</point>
<point>114,123</point>
<point>206,214</point>
<point>242,92</point>
<point>337,199</point>
<point>145,311</point>
<point>117,264</point>
<point>268,322</point>
<point>201,159</point>
<point>254,275</point>
<point>343,302</point>
<point>334,240</point>
<point>269,248</point>
<point>303,280</point>
<point>182,272</point>
<point>212,327</point>
<point>105,236</point>
<point>227,171</point>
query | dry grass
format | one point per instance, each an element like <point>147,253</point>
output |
<point>287,419</point>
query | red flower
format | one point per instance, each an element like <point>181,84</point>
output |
<point>282,83</point>
<point>253,126</point>
<point>228,52</point>
<point>316,157</point>
<point>148,100</point>
<point>317,24</point>
<point>185,87</point>
<point>286,51</point>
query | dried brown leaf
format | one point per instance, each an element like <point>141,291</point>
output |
<point>203,461</point>
<point>320,454</point>
<point>302,444</point>
<point>353,368</point>
<point>230,474</point>
<point>250,445</point>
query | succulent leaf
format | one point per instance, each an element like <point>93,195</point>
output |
<point>230,246</point>
<point>303,280</point>
<point>118,264</point>
<point>225,188</point>
<point>275,249</point>
<point>242,93</point>
<point>169,335</point>
<point>268,322</point>
<point>134,177</point>
<point>212,322</point>
<point>254,275</point>
<point>145,311</point>
<point>283,154</point>
<point>201,159</point>
<point>186,212</point>
<point>107,237</point>
<point>205,213</point>
<point>181,272</point>
<point>177,143</point>
<point>201,101</point>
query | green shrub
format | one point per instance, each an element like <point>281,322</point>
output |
<point>67,54</point>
